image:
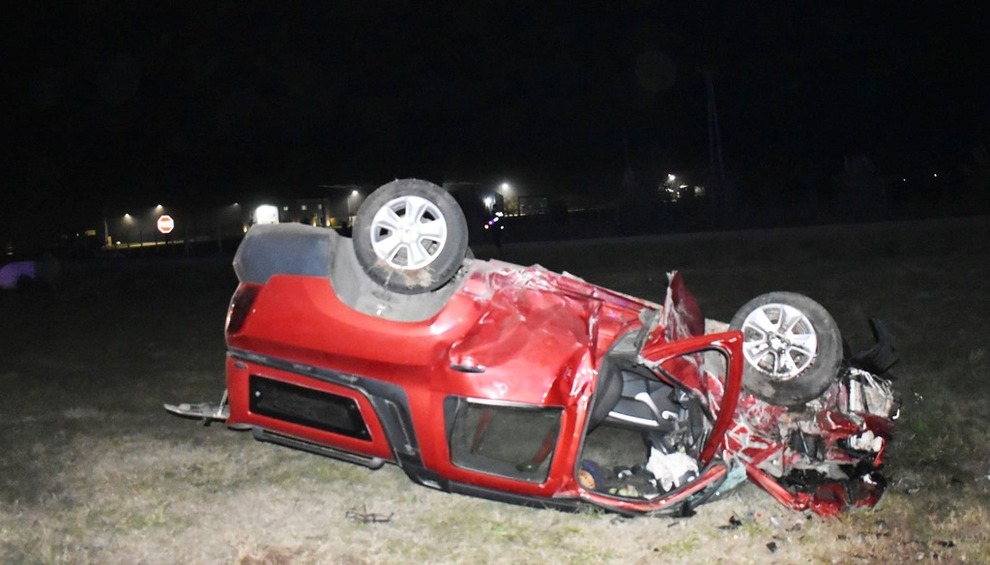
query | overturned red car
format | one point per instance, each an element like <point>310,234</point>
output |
<point>527,386</point>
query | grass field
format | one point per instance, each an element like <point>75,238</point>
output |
<point>92,470</point>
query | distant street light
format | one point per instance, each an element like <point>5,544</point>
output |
<point>352,208</point>
<point>510,202</point>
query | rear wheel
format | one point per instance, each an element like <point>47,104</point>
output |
<point>791,345</point>
<point>410,236</point>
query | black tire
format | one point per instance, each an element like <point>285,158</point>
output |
<point>793,364</point>
<point>410,236</point>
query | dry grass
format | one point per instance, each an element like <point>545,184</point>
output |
<point>93,471</point>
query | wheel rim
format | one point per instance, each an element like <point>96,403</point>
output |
<point>408,232</point>
<point>779,341</point>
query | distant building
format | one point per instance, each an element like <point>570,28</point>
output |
<point>310,211</point>
<point>479,202</point>
<point>533,205</point>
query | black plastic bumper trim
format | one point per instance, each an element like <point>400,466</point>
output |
<point>269,436</point>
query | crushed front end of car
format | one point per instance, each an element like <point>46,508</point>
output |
<point>686,379</point>
<point>826,454</point>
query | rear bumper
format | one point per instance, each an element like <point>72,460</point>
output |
<point>369,420</point>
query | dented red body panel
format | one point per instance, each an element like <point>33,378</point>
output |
<point>307,370</point>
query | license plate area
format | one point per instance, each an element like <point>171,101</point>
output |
<point>306,407</point>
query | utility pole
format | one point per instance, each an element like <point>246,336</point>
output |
<point>106,232</point>
<point>716,167</point>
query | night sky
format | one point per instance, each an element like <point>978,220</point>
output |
<point>118,103</point>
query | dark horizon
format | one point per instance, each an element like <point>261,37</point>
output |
<point>118,103</point>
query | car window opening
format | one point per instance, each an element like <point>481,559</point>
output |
<point>517,442</point>
<point>649,443</point>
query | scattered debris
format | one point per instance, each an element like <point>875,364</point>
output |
<point>365,517</point>
<point>945,543</point>
<point>734,523</point>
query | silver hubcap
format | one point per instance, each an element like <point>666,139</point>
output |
<point>408,232</point>
<point>779,341</point>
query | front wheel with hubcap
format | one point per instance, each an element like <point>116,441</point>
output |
<point>791,346</point>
